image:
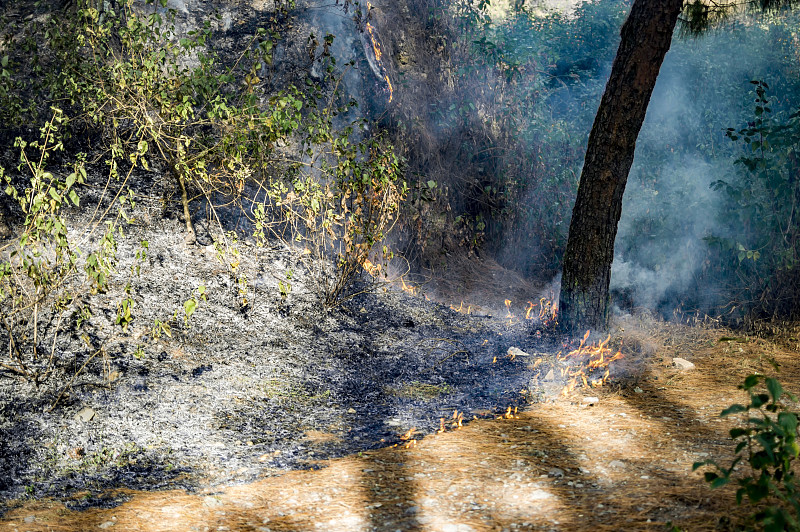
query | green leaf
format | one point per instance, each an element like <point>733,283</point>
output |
<point>733,409</point>
<point>73,197</point>
<point>737,431</point>
<point>4,61</point>
<point>788,421</point>
<point>775,389</point>
<point>71,178</point>
<point>750,380</point>
<point>719,482</point>
<point>757,492</point>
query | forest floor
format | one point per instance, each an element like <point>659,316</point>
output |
<point>617,457</point>
<point>279,415</point>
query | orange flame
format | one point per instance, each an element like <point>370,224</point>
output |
<point>458,419</point>
<point>509,316</point>
<point>461,308</point>
<point>372,269</point>
<point>529,310</point>
<point>591,360</point>
<point>378,54</point>
<point>548,311</point>
<point>410,290</point>
<point>510,414</point>
<point>408,434</point>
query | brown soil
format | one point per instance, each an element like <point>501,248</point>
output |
<point>623,463</point>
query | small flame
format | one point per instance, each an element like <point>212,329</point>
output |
<point>408,434</point>
<point>458,419</point>
<point>529,310</point>
<point>548,311</point>
<point>509,316</point>
<point>409,289</point>
<point>591,360</point>
<point>408,439</point>
<point>372,269</point>
<point>510,414</point>
<point>461,309</point>
<point>376,48</point>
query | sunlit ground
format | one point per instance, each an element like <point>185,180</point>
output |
<point>623,463</point>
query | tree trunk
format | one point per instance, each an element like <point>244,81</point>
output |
<point>646,38</point>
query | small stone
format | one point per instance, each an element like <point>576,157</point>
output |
<point>682,364</point>
<point>85,414</point>
<point>638,390</point>
<point>616,464</point>
<point>555,472</point>
<point>591,400</point>
<point>516,352</point>
<point>30,519</point>
<point>413,510</point>
<point>550,376</point>
<point>107,524</point>
<point>210,501</point>
<point>351,410</point>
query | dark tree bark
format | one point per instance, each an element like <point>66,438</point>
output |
<point>646,38</point>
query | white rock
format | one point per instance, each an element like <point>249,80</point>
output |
<point>591,400</point>
<point>210,501</point>
<point>550,376</point>
<point>516,352</point>
<point>682,364</point>
<point>85,414</point>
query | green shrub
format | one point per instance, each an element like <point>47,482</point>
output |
<point>767,442</point>
<point>43,272</point>
<point>762,252</point>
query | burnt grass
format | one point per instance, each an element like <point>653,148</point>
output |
<point>245,391</point>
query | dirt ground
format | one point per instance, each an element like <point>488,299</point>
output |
<point>622,463</point>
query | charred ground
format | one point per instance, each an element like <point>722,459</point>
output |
<point>244,391</point>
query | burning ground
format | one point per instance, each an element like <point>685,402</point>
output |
<point>389,412</point>
<point>245,391</point>
<point>620,461</point>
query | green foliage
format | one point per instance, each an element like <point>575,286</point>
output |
<point>43,272</point>
<point>762,200</point>
<point>340,206</point>
<point>767,442</point>
<point>512,120</point>
<point>158,97</point>
<point>191,304</point>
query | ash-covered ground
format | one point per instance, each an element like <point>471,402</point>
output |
<point>245,391</point>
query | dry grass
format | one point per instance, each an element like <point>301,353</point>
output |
<point>621,464</point>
